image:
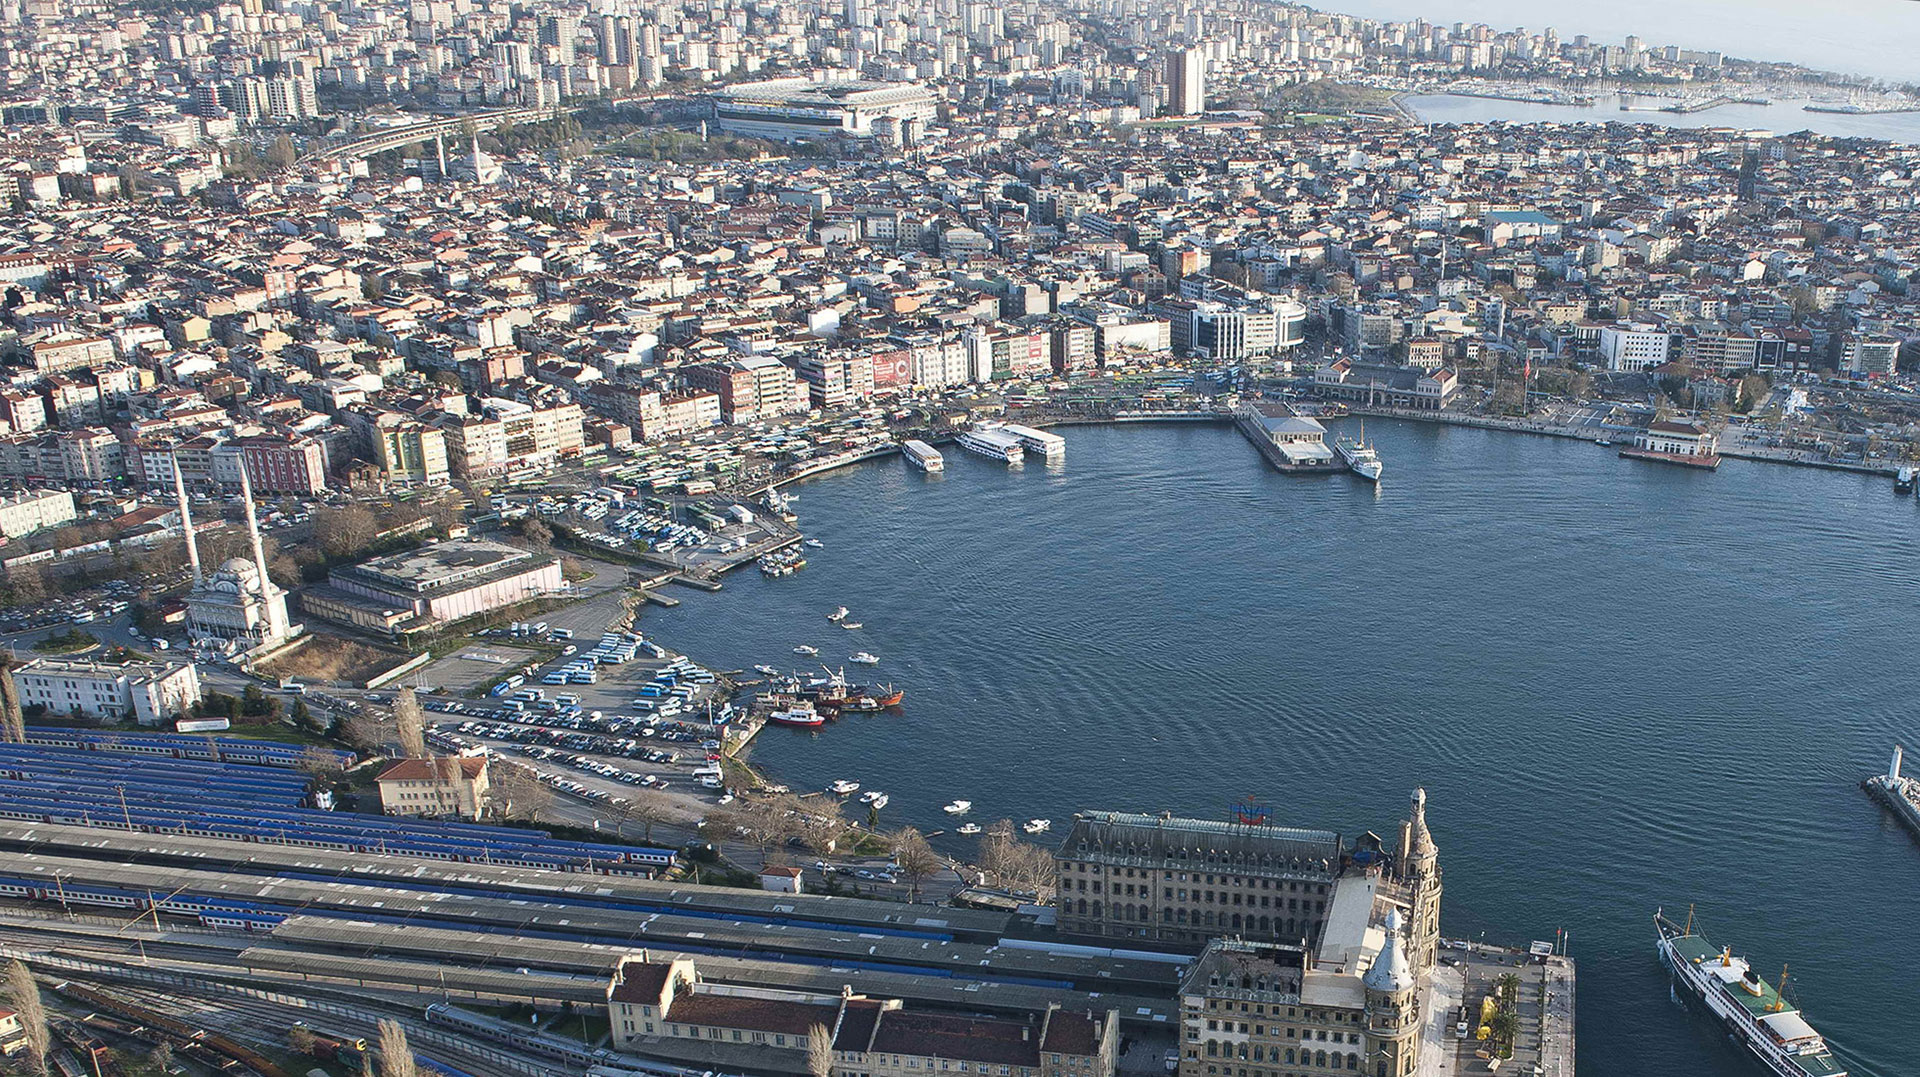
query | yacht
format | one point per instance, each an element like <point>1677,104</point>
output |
<point>958,807</point>
<point>839,614</point>
<point>968,828</point>
<point>1359,455</point>
<point>1037,826</point>
<point>844,787</point>
<point>864,658</point>
<point>804,649</point>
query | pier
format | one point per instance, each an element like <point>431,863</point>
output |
<point>1291,442</point>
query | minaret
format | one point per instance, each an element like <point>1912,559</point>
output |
<point>440,152</point>
<point>186,525</point>
<point>272,613</point>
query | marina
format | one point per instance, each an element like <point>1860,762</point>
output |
<point>1194,496</point>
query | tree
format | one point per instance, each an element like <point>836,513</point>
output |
<point>538,533</point>
<point>643,808</point>
<point>161,1057</point>
<point>396,1058</point>
<point>819,1052</point>
<point>517,791</point>
<point>916,858</point>
<point>306,718</point>
<point>321,763</point>
<point>363,732</point>
<point>23,994</point>
<point>345,531</point>
<point>281,153</point>
<point>411,722</point>
<point>13,723</point>
<point>29,585</point>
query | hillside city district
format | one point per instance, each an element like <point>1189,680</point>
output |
<point>370,367</point>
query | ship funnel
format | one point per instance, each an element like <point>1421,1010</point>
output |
<point>1893,771</point>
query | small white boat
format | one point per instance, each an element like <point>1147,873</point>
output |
<point>958,807</point>
<point>851,625</point>
<point>843,787</point>
<point>1037,826</point>
<point>804,649</point>
<point>879,802</point>
<point>968,828</point>
<point>864,658</point>
<point>838,614</point>
<point>766,669</point>
<point>870,796</point>
<point>815,543</point>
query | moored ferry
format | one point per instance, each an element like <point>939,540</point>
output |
<point>1754,1012</point>
<point>994,444</point>
<point>923,456</point>
<point>1360,456</point>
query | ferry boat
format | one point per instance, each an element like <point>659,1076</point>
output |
<point>923,456</point>
<point>864,658</point>
<point>994,444</point>
<point>958,807</point>
<point>799,714</point>
<point>1051,447</point>
<point>1359,455</point>
<point>967,828</point>
<point>1903,482</point>
<point>1753,1011</point>
<point>844,787</point>
<point>1037,826</point>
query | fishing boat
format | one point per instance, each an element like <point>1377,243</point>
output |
<point>967,828</point>
<point>804,649</point>
<point>838,615</point>
<point>958,807</point>
<point>886,695</point>
<point>1037,826</point>
<point>1360,456</point>
<point>864,658</point>
<point>1754,1013</point>
<point>843,787</point>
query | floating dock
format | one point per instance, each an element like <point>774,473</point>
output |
<point>1291,442</point>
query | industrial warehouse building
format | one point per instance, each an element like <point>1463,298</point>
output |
<point>436,584</point>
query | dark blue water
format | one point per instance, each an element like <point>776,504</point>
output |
<point>1623,685</point>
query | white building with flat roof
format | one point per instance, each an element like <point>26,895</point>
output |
<point>151,692</point>
<point>35,510</point>
<point>804,107</point>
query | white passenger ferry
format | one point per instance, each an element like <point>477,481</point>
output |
<point>994,444</point>
<point>923,456</point>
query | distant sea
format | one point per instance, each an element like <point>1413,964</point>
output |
<point>1623,685</point>
<point>1875,38</point>
<point>1781,117</point>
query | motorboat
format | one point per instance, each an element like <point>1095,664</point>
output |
<point>766,669</point>
<point>1037,826</point>
<point>864,658</point>
<point>968,828</point>
<point>801,715</point>
<point>806,650</point>
<point>843,787</point>
<point>815,543</point>
<point>838,614</point>
<point>870,796</point>
<point>879,802</point>
<point>851,625</point>
<point>958,807</point>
